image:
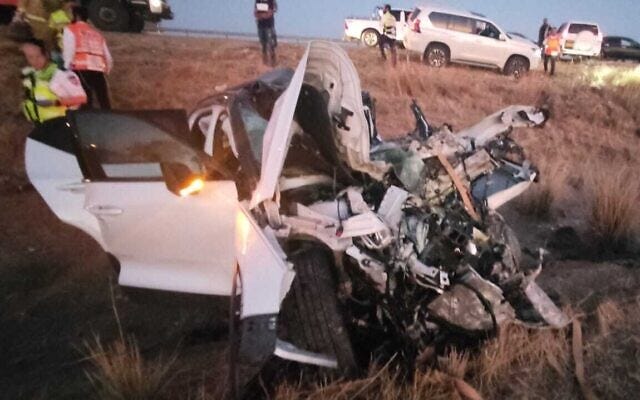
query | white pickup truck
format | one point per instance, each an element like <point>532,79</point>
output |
<point>368,30</point>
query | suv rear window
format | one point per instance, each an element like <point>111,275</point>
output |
<point>577,28</point>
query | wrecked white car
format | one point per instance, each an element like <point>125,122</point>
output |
<point>337,246</point>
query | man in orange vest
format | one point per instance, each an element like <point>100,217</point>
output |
<point>552,50</point>
<point>85,52</point>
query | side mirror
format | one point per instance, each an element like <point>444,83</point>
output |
<point>502,37</point>
<point>180,180</point>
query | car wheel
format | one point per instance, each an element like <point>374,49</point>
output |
<point>516,66</point>
<point>136,23</point>
<point>311,316</point>
<point>109,15</point>
<point>437,55</point>
<point>370,37</point>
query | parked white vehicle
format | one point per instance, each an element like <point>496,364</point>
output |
<point>581,39</point>
<point>442,35</point>
<point>369,30</point>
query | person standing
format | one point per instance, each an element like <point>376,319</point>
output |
<point>264,13</point>
<point>58,20</point>
<point>34,13</point>
<point>85,52</point>
<point>552,50</point>
<point>543,32</point>
<point>40,104</point>
<point>388,37</point>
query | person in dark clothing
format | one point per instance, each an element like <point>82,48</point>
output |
<point>264,13</point>
<point>544,32</point>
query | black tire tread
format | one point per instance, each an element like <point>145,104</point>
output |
<point>311,313</point>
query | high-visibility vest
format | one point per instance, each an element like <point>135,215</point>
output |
<point>389,25</point>
<point>41,104</point>
<point>58,20</point>
<point>90,54</point>
<point>552,46</point>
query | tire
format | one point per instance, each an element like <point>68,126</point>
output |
<point>109,15</point>
<point>311,317</point>
<point>437,55</point>
<point>6,14</point>
<point>136,23</point>
<point>516,66</point>
<point>370,37</point>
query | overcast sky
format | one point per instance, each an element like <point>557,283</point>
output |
<point>324,18</point>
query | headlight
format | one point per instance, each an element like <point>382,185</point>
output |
<point>155,6</point>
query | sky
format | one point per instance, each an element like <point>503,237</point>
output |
<point>324,18</point>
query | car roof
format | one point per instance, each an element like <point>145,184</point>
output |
<point>451,10</point>
<point>581,23</point>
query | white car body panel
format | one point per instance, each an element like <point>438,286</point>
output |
<point>585,43</point>
<point>167,242</point>
<point>58,178</point>
<point>265,274</point>
<point>354,27</point>
<point>278,135</point>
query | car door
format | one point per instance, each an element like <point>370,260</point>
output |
<point>53,169</point>
<point>489,49</point>
<point>170,240</point>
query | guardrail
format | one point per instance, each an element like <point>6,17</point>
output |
<point>239,35</point>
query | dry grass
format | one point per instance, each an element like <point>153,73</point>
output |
<point>614,212</point>
<point>121,373</point>
<point>519,361</point>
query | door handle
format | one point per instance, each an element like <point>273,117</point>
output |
<point>76,187</point>
<point>105,210</point>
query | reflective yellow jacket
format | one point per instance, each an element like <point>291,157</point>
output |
<point>41,104</point>
<point>58,20</point>
<point>388,25</point>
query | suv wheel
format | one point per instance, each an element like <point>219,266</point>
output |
<point>311,317</point>
<point>516,66</point>
<point>370,37</point>
<point>437,55</point>
<point>109,15</point>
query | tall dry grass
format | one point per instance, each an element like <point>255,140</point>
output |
<point>121,373</point>
<point>614,217</point>
<point>518,361</point>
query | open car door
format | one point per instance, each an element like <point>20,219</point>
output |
<point>169,240</point>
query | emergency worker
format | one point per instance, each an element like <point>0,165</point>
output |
<point>59,19</point>
<point>388,37</point>
<point>552,50</point>
<point>85,52</point>
<point>40,104</point>
<point>264,14</point>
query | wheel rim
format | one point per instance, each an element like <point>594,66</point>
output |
<point>518,68</point>
<point>370,39</point>
<point>437,58</point>
<point>107,14</point>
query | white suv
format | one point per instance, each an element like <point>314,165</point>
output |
<point>580,39</point>
<point>442,35</point>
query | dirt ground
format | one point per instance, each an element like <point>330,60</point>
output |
<point>57,287</point>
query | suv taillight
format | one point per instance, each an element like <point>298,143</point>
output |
<point>416,25</point>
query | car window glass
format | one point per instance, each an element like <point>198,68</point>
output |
<point>577,28</point>
<point>396,14</point>
<point>486,29</point>
<point>625,43</point>
<point>255,126</point>
<point>614,42</point>
<point>126,147</point>
<point>438,20</point>
<point>461,24</point>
